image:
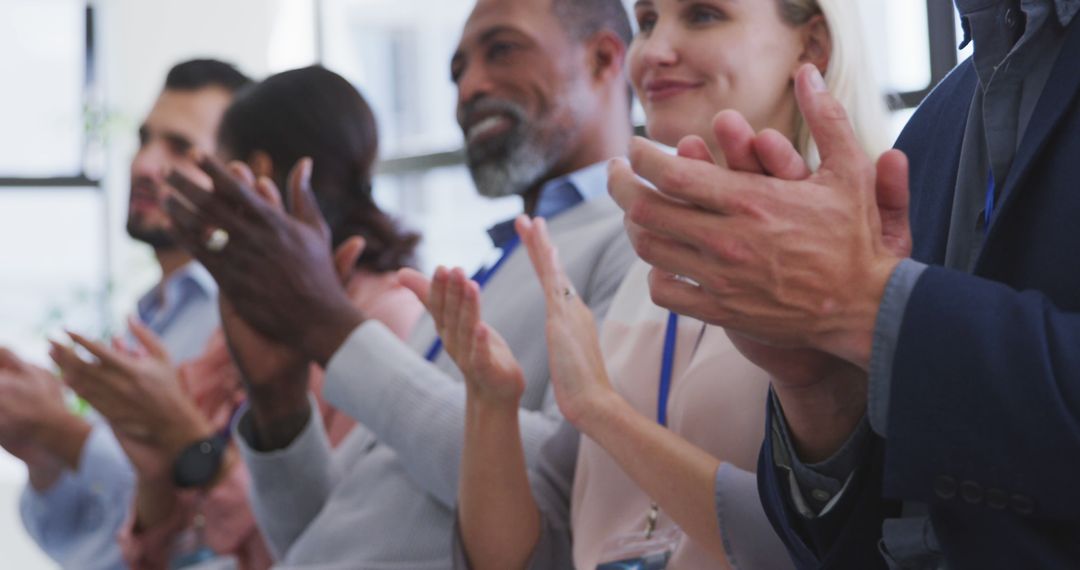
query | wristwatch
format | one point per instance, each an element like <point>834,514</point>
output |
<point>198,463</point>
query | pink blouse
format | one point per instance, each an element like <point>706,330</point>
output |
<point>221,515</point>
<point>717,402</point>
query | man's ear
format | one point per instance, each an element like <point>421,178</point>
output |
<point>607,54</point>
<point>817,43</point>
<point>261,164</point>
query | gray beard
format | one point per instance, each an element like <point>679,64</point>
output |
<point>522,167</point>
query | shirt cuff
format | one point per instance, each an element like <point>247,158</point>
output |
<point>82,511</point>
<point>243,430</point>
<point>827,480</point>
<point>103,468</point>
<point>288,486</point>
<point>886,336</point>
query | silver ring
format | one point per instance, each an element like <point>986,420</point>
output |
<point>217,240</point>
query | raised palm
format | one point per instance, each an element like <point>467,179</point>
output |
<point>578,373</point>
<point>490,369</point>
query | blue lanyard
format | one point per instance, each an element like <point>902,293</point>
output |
<point>481,277</point>
<point>988,210</point>
<point>666,365</point>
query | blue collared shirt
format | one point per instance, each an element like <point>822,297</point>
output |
<point>76,521</point>
<point>183,311</point>
<point>557,196</point>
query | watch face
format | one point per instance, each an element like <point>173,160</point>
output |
<point>198,464</point>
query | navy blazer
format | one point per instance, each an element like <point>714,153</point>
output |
<point>984,419</point>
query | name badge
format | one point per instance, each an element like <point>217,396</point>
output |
<point>641,552</point>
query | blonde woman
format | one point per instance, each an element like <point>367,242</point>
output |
<point>670,413</point>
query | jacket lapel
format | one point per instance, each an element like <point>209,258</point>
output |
<point>932,140</point>
<point>1059,93</point>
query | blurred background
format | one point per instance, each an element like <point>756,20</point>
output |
<point>80,75</point>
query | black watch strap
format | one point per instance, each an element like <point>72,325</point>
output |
<point>198,463</point>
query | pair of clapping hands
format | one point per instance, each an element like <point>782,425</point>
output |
<point>792,263</point>
<point>137,392</point>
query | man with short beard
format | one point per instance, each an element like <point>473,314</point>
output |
<point>81,482</point>
<point>543,104</point>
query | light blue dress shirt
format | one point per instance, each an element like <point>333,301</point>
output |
<point>557,196</point>
<point>76,521</point>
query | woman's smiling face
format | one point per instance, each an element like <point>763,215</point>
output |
<point>694,58</point>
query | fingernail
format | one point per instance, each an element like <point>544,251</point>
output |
<point>817,82</point>
<point>307,171</point>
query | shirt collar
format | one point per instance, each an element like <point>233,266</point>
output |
<point>187,282</point>
<point>1066,11</point>
<point>557,196</point>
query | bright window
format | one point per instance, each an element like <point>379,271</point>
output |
<point>44,42</point>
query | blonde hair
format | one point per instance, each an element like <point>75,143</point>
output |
<point>850,77</point>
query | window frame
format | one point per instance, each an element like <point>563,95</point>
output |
<point>83,179</point>
<point>941,24</point>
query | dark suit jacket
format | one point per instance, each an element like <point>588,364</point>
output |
<point>984,421</point>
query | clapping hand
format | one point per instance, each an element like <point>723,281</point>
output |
<point>139,394</point>
<point>578,374</point>
<point>492,374</point>
<point>31,402</point>
<point>276,267</point>
<point>270,368</point>
<point>772,154</point>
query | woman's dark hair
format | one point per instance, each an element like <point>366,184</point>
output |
<point>315,112</point>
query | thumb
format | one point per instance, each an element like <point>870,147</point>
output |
<point>827,120</point>
<point>893,199</point>
<point>416,282</point>
<point>345,257</point>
